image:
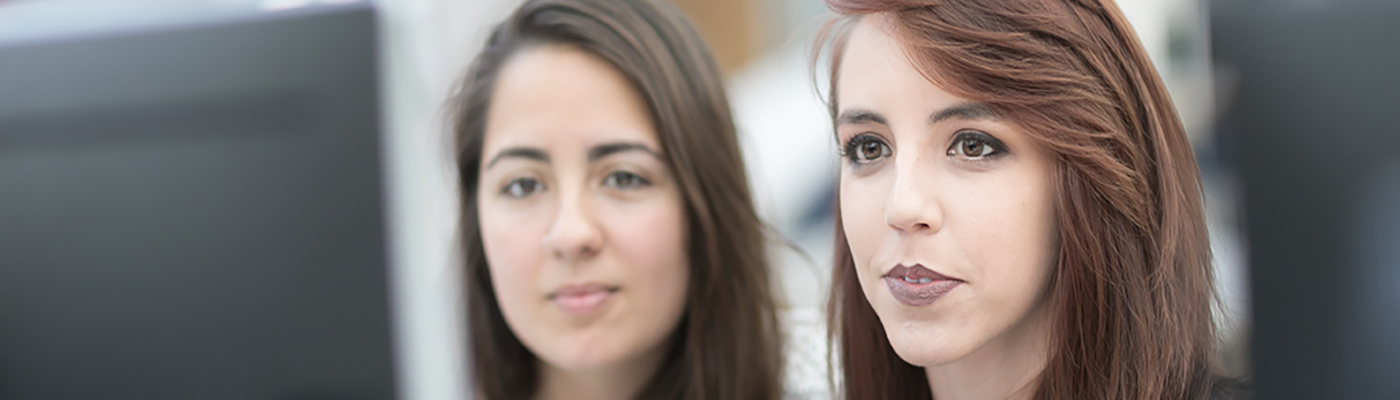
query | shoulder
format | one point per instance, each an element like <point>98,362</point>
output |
<point>1231,389</point>
<point>805,354</point>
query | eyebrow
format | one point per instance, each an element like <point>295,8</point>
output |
<point>607,149</point>
<point>860,116</point>
<point>528,153</point>
<point>964,111</point>
<point>594,154</point>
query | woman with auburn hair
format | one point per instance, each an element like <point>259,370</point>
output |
<point>1019,211</point>
<point>612,250</point>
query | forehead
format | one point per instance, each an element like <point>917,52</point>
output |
<point>874,66</point>
<point>557,94</point>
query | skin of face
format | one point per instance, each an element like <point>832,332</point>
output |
<point>932,179</point>
<point>575,194</point>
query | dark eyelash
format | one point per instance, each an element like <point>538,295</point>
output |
<point>535,184</point>
<point>848,149</point>
<point>1000,148</point>
<point>640,180</point>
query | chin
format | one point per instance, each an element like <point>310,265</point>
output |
<point>924,344</point>
<point>583,351</point>
<point>581,361</point>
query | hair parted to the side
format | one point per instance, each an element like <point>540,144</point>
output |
<point>1132,289</point>
<point>728,344</point>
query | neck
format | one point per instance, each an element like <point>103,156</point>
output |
<point>621,381</point>
<point>1006,368</point>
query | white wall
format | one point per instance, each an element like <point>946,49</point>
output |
<point>426,46</point>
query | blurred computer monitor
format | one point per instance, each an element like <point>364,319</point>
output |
<point>1313,125</point>
<point>193,209</point>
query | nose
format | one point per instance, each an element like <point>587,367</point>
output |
<point>575,235</point>
<point>911,206</point>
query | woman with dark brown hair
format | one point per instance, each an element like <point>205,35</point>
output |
<point>612,249</point>
<point>1019,212</point>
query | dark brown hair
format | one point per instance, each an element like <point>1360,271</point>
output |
<point>728,344</point>
<point>1132,289</point>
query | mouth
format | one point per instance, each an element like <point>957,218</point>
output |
<point>917,286</point>
<point>582,299</point>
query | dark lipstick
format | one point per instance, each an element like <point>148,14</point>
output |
<point>916,286</point>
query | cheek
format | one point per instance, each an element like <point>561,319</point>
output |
<point>863,217</point>
<point>649,240</point>
<point>514,254</point>
<point>1012,235</point>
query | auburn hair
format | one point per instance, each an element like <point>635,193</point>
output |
<point>728,344</point>
<point>1131,292</point>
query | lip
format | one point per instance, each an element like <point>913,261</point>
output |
<point>917,286</point>
<point>582,299</point>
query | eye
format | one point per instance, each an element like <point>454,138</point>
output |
<point>976,146</point>
<point>866,148</point>
<point>520,188</point>
<point>625,180</point>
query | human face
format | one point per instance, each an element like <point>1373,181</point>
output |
<point>946,206</point>
<point>581,219</point>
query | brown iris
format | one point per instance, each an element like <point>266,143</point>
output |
<point>870,150</point>
<point>974,148</point>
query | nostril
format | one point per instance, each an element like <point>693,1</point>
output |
<point>921,226</point>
